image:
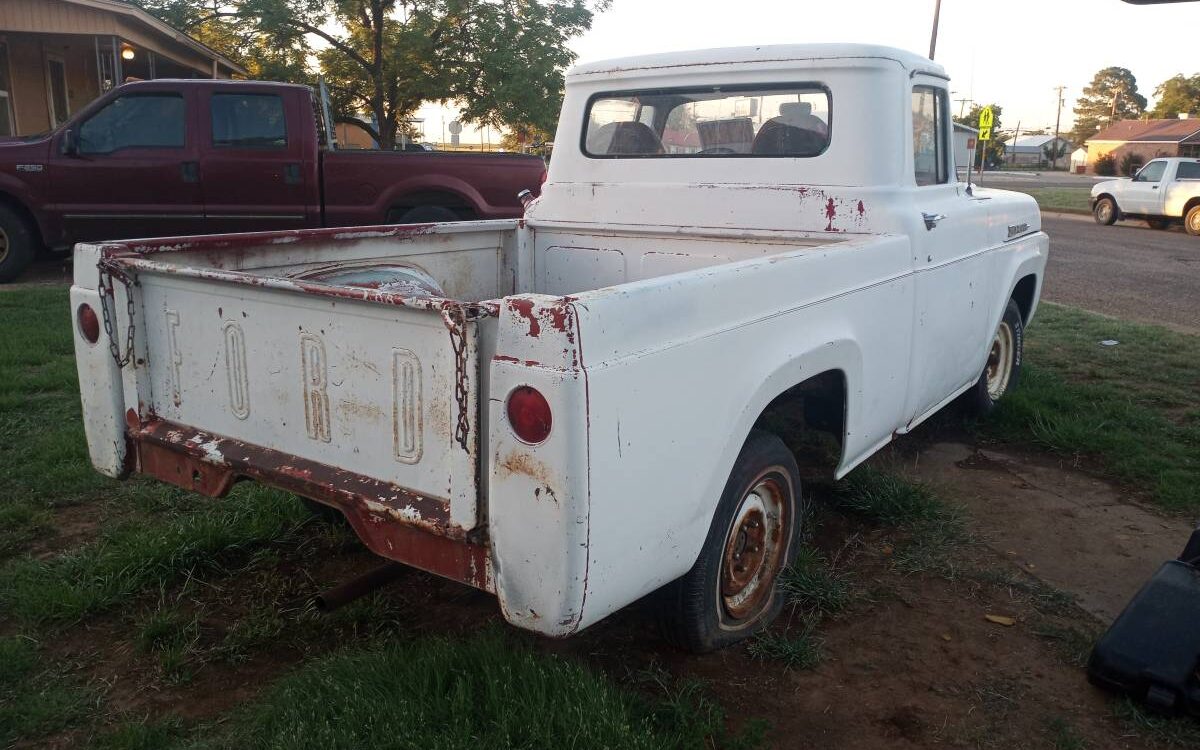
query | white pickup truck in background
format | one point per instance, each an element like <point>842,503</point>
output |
<point>1164,191</point>
<point>569,410</point>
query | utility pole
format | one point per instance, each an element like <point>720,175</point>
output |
<point>1016,135</point>
<point>1112,116</point>
<point>937,12</point>
<point>962,104</point>
<point>1057,121</point>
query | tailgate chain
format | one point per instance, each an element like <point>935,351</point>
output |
<point>111,270</point>
<point>455,318</point>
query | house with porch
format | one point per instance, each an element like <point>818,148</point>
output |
<point>58,55</point>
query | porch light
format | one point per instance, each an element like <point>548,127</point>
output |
<point>126,52</point>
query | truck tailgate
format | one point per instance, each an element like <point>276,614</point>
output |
<point>364,396</point>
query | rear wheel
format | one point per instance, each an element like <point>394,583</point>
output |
<point>1158,223</point>
<point>1105,211</point>
<point>1003,368</point>
<point>17,244</point>
<point>731,592</point>
<point>1191,221</point>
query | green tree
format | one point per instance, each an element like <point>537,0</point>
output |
<point>502,60</point>
<point>996,147</point>
<point>1179,94</point>
<point>1053,151</point>
<point>1111,96</point>
<point>215,23</point>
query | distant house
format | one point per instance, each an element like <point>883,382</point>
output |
<point>1030,150</point>
<point>964,144</point>
<point>58,55</point>
<point>1145,139</point>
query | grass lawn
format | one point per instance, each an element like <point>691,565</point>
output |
<point>1068,199</point>
<point>1132,409</point>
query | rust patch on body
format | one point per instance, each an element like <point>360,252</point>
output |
<point>524,308</point>
<point>520,462</point>
<point>830,214</point>
<point>393,521</point>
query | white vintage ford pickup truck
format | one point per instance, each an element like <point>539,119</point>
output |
<point>569,410</point>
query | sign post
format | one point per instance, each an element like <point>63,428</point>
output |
<point>986,119</point>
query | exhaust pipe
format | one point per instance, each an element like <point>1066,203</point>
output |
<point>340,596</point>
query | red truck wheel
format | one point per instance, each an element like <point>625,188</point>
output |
<point>731,592</point>
<point>16,244</point>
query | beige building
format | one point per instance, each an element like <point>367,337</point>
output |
<point>1144,140</point>
<point>58,55</point>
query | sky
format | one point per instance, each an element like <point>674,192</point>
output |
<point>1012,53</point>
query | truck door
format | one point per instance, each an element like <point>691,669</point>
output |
<point>1145,194</point>
<point>132,170</point>
<point>953,282</point>
<point>257,161</point>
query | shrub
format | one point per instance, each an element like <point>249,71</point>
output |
<point>1131,163</point>
<point>1106,165</point>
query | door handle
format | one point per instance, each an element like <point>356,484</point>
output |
<point>190,171</point>
<point>1154,187</point>
<point>931,220</point>
<point>291,174</point>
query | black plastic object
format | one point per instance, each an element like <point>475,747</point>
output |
<point>1152,650</point>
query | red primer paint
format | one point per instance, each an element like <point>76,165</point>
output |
<point>505,358</point>
<point>524,308</point>
<point>831,214</point>
<point>861,209</point>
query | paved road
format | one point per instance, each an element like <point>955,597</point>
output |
<point>1127,270</point>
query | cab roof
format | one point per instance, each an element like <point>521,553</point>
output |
<point>767,53</point>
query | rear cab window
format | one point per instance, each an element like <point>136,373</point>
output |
<point>243,120</point>
<point>790,120</point>
<point>1188,170</point>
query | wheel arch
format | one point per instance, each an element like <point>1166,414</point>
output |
<point>1024,293</point>
<point>460,204</point>
<point>16,204</point>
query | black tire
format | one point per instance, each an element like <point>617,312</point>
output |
<point>1191,220</point>
<point>1105,211</point>
<point>422,215</point>
<point>719,602</point>
<point>17,244</point>
<point>1156,223</point>
<point>1002,372</point>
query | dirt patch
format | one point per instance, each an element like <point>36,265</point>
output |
<point>1071,530</point>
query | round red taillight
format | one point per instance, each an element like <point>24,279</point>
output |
<point>89,324</point>
<point>529,414</point>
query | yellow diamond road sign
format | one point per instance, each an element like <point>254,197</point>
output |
<point>986,118</point>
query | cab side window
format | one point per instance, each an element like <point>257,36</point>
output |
<point>930,159</point>
<point>1152,172</point>
<point>248,121</point>
<point>135,121</point>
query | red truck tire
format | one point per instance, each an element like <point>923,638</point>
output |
<point>17,244</point>
<point>422,215</point>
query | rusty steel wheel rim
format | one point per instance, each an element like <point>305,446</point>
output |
<point>1000,361</point>
<point>754,547</point>
<point>3,244</point>
<point>1104,210</point>
<point>1194,222</point>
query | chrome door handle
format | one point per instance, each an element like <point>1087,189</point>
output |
<point>931,220</point>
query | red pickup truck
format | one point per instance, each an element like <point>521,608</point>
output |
<point>176,157</point>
